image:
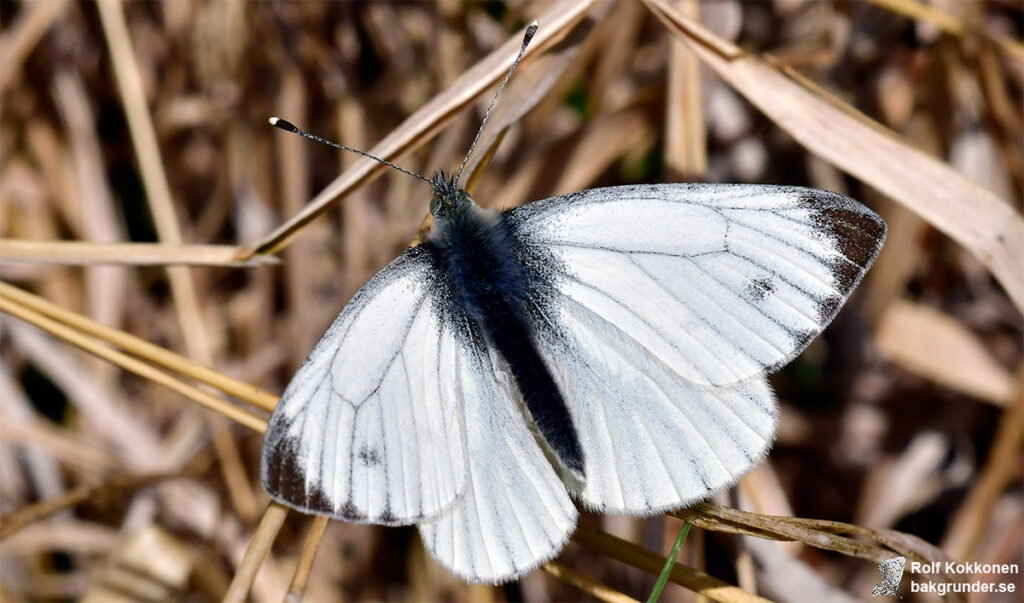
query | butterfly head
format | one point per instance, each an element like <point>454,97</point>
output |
<point>448,197</point>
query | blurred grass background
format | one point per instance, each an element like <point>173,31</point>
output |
<point>906,414</point>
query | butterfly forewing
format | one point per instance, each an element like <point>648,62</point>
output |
<point>721,283</point>
<point>370,428</point>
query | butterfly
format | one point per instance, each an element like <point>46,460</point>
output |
<point>608,346</point>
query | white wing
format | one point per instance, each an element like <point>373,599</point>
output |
<point>515,513</point>
<point>718,282</point>
<point>662,308</point>
<point>369,429</point>
<point>651,440</point>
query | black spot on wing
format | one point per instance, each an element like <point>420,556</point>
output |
<point>387,516</point>
<point>369,455</point>
<point>350,512</point>
<point>759,288</point>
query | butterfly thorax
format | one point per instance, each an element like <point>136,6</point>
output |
<point>488,293</point>
<point>476,251</point>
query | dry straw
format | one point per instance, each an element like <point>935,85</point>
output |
<point>919,191</point>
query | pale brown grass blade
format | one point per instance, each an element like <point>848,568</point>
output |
<point>591,587</point>
<point>40,436</point>
<point>935,345</point>
<point>984,224</point>
<point>685,126</point>
<point>259,548</point>
<point>22,35</point>
<point>652,563</point>
<point>141,348</point>
<point>133,365</point>
<point>300,578</point>
<point>82,253</point>
<point>15,520</point>
<point>154,178</point>
<point>161,205</point>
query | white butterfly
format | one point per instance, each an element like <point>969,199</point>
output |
<point>610,345</point>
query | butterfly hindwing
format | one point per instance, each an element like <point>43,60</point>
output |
<point>721,283</point>
<point>370,428</point>
<point>515,513</point>
<point>652,441</point>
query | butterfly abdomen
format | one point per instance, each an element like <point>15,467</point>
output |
<point>476,252</point>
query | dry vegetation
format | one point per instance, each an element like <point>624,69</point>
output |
<point>138,132</point>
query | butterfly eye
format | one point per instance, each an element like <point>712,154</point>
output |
<point>435,205</point>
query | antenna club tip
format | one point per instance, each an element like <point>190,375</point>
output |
<point>532,29</point>
<point>283,124</point>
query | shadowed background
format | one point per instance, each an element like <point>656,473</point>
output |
<point>146,123</point>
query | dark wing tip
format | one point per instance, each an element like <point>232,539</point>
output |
<point>284,481</point>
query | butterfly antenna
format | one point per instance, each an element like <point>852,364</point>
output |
<point>532,29</point>
<point>288,126</point>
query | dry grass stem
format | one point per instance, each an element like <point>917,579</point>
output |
<point>15,520</point>
<point>948,23</point>
<point>133,365</point>
<point>652,563</point>
<point>140,180</point>
<point>66,534</point>
<point>143,349</point>
<point>685,126</point>
<point>36,434</point>
<point>161,205</point>
<point>80,253</point>
<point>23,34</point>
<point>591,587</point>
<point>259,548</point>
<point>822,534</point>
<point>297,588</point>
<point>154,178</point>
<point>1001,468</point>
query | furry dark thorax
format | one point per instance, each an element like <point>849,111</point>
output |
<point>479,255</point>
